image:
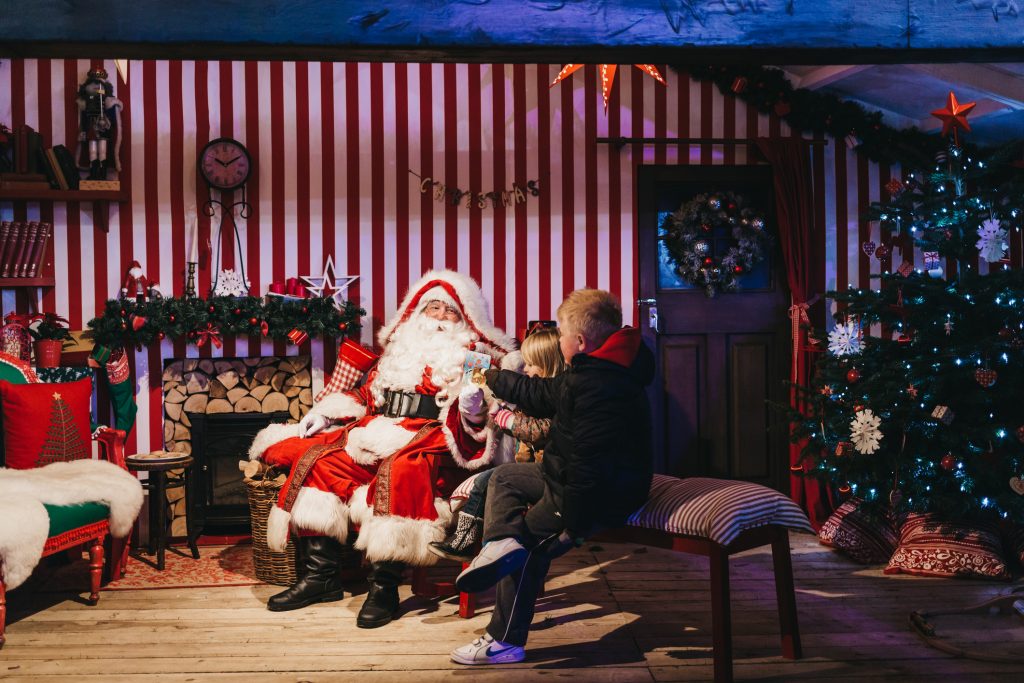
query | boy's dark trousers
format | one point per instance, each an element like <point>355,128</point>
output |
<point>515,489</point>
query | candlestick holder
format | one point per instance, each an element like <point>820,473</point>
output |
<point>190,280</point>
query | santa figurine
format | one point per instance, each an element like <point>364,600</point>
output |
<point>384,456</point>
<point>136,285</point>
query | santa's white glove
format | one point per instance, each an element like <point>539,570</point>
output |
<point>472,404</point>
<point>312,424</point>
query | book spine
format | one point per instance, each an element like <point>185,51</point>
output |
<point>5,234</point>
<point>51,156</point>
<point>42,242</point>
<point>10,248</point>
<point>30,247</point>
<point>19,256</point>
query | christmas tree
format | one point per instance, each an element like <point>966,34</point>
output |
<point>917,405</point>
<point>62,440</point>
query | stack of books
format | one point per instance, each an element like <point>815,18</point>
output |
<point>23,247</point>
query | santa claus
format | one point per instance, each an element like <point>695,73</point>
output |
<point>383,457</point>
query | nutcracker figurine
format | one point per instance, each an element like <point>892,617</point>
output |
<point>100,125</point>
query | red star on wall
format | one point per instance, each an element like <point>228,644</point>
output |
<point>954,116</point>
<point>607,72</point>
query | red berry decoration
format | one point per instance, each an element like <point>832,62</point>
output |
<point>253,321</point>
<point>985,377</point>
<point>123,313</point>
<point>852,375</point>
<point>238,311</point>
<point>192,334</point>
<point>211,309</point>
<point>171,318</point>
<point>124,326</point>
<point>948,462</point>
<point>342,326</point>
<point>160,335</point>
<point>305,309</point>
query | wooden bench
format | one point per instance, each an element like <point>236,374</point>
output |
<point>715,518</point>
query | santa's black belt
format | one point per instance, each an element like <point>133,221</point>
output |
<point>410,404</point>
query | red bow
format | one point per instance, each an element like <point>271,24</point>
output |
<point>211,334</point>
<point>265,328</point>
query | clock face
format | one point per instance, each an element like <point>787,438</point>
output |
<point>225,163</point>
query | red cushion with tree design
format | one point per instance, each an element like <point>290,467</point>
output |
<point>929,547</point>
<point>46,423</point>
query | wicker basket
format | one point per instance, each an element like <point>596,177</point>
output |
<point>272,567</point>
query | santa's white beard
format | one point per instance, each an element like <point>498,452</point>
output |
<point>423,342</point>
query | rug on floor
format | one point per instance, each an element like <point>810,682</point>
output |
<point>230,565</point>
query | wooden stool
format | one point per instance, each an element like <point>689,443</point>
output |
<point>158,483</point>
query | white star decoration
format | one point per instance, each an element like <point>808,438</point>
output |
<point>329,284</point>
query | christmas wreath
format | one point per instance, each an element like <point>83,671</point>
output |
<point>690,234</point>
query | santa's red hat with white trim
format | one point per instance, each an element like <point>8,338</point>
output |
<point>463,294</point>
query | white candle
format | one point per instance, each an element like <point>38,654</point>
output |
<point>193,249</point>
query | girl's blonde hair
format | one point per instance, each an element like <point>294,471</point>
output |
<point>541,349</point>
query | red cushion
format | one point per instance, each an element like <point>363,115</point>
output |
<point>866,538</point>
<point>46,423</point>
<point>929,547</point>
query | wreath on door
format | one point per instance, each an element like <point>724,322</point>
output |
<point>690,233</point>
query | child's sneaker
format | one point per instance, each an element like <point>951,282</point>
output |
<point>487,650</point>
<point>458,544</point>
<point>496,560</point>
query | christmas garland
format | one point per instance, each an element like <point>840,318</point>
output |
<point>130,323</point>
<point>688,234</point>
<point>814,111</point>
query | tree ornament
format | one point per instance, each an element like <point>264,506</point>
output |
<point>911,390</point>
<point>844,448</point>
<point>1020,433</point>
<point>894,187</point>
<point>238,311</point>
<point>986,377</point>
<point>305,309</point>
<point>881,252</point>
<point>895,497</point>
<point>868,248</point>
<point>160,335</point>
<point>687,235</point>
<point>864,431</point>
<point>845,340</point>
<point>991,241</point>
<point>905,269</point>
<point>826,390</point>
<point>212,309</point>
<point>845,489</point>
<point>852,375</point>
<point>943,414</point>
<point>948,462</point>
<point>231,283</point>
<point>297,336</point>
<point>124,326</point>
<point>123,313</point>
<point>954,116</point>
<point>171,318</point>
<point>1017,485</point>
<point>138,321</point>
<point>253,321</point>
<point>342,326</point>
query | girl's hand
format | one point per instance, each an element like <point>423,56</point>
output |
<point>504,418</point>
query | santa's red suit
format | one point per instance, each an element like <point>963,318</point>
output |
<point>382,465</point>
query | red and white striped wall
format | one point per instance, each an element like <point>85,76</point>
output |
<point>333,144</point>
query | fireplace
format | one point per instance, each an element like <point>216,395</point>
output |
<point>217,501</point>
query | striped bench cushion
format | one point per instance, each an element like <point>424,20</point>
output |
<point>717,509</point>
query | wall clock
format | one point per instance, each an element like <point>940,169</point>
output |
<point>225,164</point>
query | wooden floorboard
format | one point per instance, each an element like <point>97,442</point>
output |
<point>613,612</point>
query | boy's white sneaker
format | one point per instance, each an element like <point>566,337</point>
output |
<point>496,560</point>
<point>487,650</point>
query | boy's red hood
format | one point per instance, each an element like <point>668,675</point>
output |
<point>620,348</point>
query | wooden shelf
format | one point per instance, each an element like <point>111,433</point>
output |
<point>27,282</point>
<point>65,195</point>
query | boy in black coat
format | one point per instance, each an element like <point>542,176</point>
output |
<point>596,469</point>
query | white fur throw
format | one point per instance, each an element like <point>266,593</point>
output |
<point>24,523</point>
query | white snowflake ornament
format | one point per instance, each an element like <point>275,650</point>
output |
<point>991,244</point>
<point>844,339</point>
<point>864,432</point>
<point>230,283</point>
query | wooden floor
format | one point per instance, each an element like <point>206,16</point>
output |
<point>611,613</point>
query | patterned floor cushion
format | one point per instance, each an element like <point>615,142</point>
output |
<point>864,537</point>
<point>931,548</point>
<point>718,509</point>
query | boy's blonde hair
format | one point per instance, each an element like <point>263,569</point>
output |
<point>593,313</point>
<point>541,349</point>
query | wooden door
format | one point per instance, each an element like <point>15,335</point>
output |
<point>720,360</point>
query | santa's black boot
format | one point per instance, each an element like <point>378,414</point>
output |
<point>381,604</point>
<point>321,557</point>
